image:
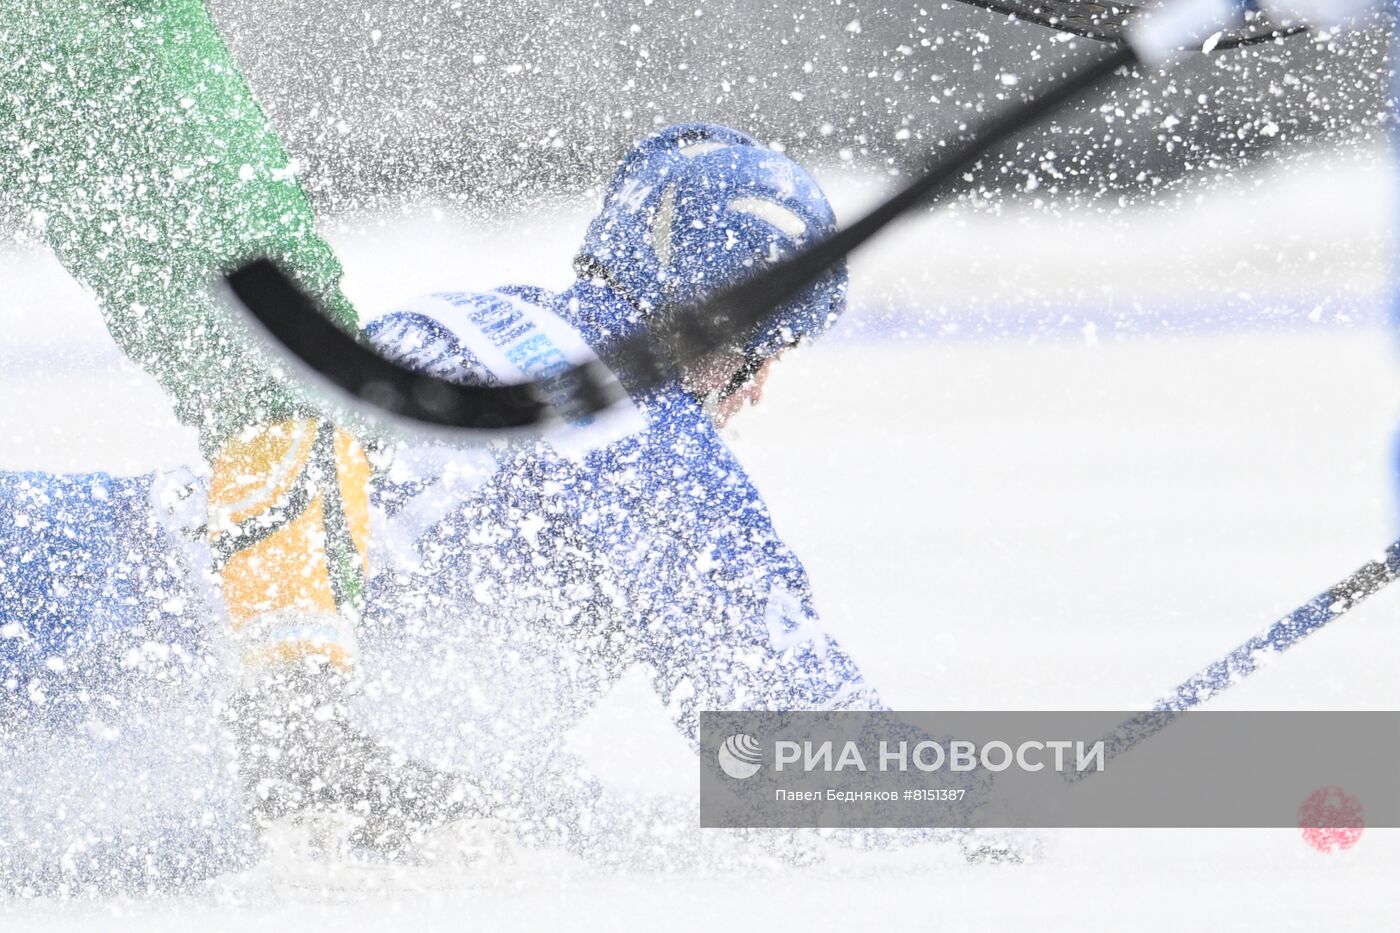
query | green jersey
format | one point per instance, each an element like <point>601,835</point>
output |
<point>130,138</point>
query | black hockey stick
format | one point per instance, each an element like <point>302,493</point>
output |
<point>294,320</point>
<point>676,335</point>
<point>1107,20</point>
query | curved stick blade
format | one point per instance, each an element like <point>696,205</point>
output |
<point>296,322</point>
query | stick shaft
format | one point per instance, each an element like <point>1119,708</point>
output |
<point>1244,660</point>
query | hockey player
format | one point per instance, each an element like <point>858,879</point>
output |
<point>131,141</point>
<point>561,568</point>
<point>522,581</point>
<point>637,541</point>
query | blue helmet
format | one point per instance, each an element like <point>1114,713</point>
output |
<point>697,207</point>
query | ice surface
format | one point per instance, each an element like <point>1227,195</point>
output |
<point>1025,520</point>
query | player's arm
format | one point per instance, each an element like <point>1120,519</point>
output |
<point>721,607</point>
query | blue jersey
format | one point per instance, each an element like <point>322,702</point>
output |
<point>512,585</point>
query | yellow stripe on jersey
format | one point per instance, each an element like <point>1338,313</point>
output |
<point>289,523</point>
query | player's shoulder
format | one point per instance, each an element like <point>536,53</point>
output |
<point>463,335</point>
<point>513,334</point>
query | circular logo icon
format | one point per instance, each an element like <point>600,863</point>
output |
<point>1331,819</point>
<point>740,756</point>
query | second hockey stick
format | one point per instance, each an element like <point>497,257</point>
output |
<point>1247,658</point>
